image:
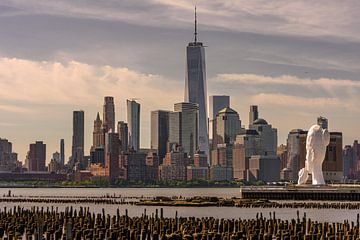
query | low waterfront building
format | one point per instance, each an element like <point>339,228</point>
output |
<point>264,168</point>
<point>221,173</point>
<point>197,173</point>
<point>174,165</point>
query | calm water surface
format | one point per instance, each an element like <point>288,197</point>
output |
<point>321,215</point>
<point>128,192</point>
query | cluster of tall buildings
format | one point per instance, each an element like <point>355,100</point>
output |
<point>187,143</point>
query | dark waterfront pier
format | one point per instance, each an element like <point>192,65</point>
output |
<point>323,193</point>
<point>40,223</point>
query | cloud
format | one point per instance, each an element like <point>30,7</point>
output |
<point>8,124</point>
<point>292,91</point>
<point>294,101</point>
<point>253,79</point>
<point>77,83</point>
<point>13,109</point>
<point>304,17</point>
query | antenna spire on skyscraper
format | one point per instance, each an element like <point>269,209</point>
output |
<point>195,26</point>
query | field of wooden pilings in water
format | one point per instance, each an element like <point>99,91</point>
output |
<point>178,201</point>
<point>49,223</point>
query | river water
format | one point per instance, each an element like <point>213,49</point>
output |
<point>321,215</point>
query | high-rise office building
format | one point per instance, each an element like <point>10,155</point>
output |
<point>8,159</point>
<point>348,158</point>
<point>216,103</point>
<point>268,136</point>
<point>133,166</point>
<point>159,132</point>
<point>228,125</point>
<point>195,86</point>
<point>245,146</point>
<point>356,149</point>
<point>253,114</point>
<point>98,133</point>
<point>351,159</point>
<point>323,122</point>
<point>37,157</point>
<point>333,163</point>
<point>174,129</point>
<point>133,119</point>
<point>109,114</point>
<point>112,150</point>
<point>123,132</point>
<point>183,126</point>
<point>77,156</point>
<point>174,164</point>
<point>296,147</point>
<point>56,157</point>
<point>62,152</point>
<point>97,156</point>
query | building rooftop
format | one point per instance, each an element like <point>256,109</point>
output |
<point>228,110</point>
<point>260,121</point>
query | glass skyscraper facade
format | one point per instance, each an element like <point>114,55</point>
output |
<point>78,138</point>
<point>133,119</point>
<point>216,103</point>
<point>195,87</point>
<point>159,131</point>
<point>183,126</point>
<point>109,114</point>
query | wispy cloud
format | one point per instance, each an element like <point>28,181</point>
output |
<point>253,79</point>
<point>13,109</point>
<point>304,17</point>
<point>9,124</point>
<point>271,99</point>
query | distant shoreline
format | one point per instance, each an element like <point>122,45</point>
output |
<point>30,186</point>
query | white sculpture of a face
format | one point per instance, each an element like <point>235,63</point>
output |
<point>316,143</point>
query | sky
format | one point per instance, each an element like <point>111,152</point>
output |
<point>296,59</point>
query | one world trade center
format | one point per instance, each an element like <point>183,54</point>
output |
<point>195,86</point>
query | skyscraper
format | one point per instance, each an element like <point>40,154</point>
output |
<point>98,133</point>
<point>109,114</point>
<point>348,162</point>
<point>228,125</point>
<point>183,126</point>
<point>174,128</point>
<point>268,136</point>
<point>62,152</point>
<point>216,103</point>
<point>133,119</point>
<point>123,135</point>
<point>159,132</point>
<point>78,138</point>
<point>296,145</point>
<point>112,148</point>
<point>195,86</point>
<point>253,114</point>
<point>333,163</point>
<point>37,157</point>
<point>8,159</point>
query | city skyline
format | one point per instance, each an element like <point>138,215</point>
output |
<point>37,102</point>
